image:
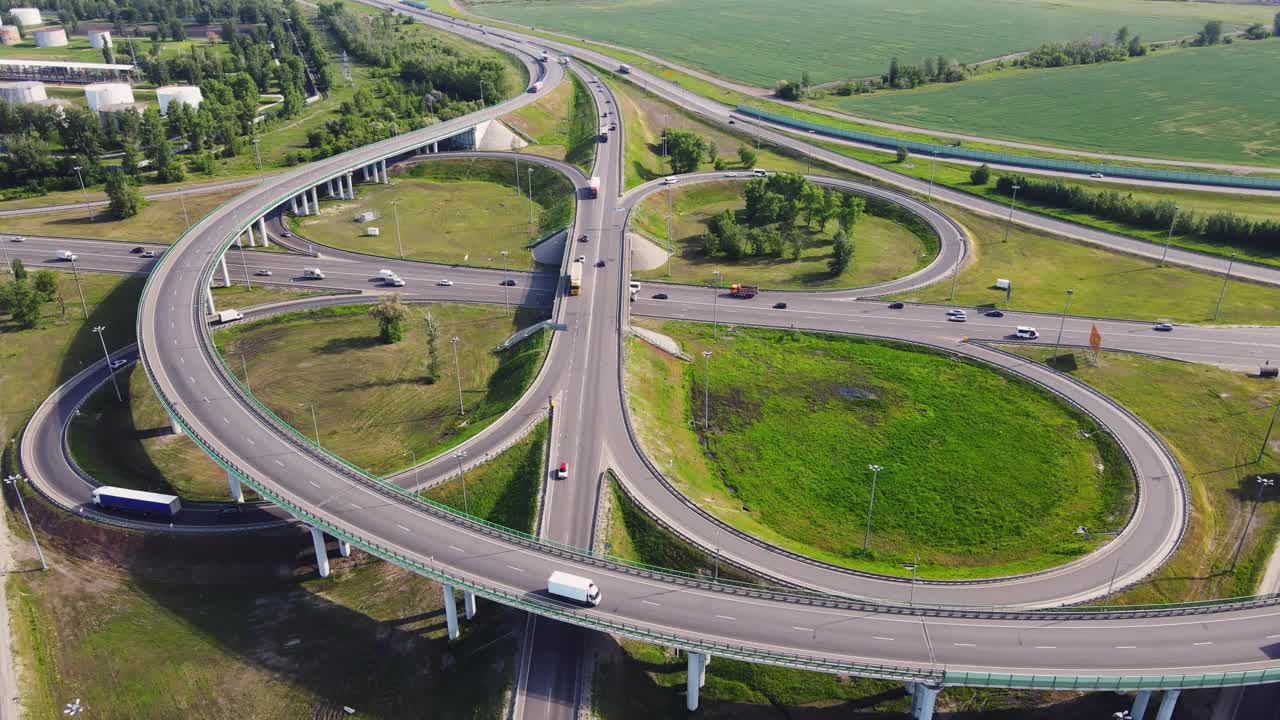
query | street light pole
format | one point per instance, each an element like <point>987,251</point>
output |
<point>112,371</point>
<point>506,289</point>
<point>84,308</point>
<point>717,572</point>
<point>248,278</point>
<point>257,153</point>
<point>1063,322</point>
<point>244,362</point>
<point>314,425</point>
<point>457,370</point>
<point>1267,438</point>
<point>875,475</point>
<point>933,162</point>
<point>670,247</point>
<point>1222,293</point>
<point>395,213</point>
<point>461,474</point>
<point>14,480</point>
<point>715,301</point>
<point>706,394</point>
<point>1009,222</point>
<point>1263,484</point>
<point>911,598</point>
<point>1169,239</point>
<point>84,194</point>
<point>528,177</point>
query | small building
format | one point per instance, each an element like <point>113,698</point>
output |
<point>23,92</point>
<point>26,16</point>
<point>9,35</point>
<point>102,96</point>
<point>189,95</point>
<point>99,39</point>
<point>51,37</point>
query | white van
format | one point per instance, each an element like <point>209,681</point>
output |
<point>1027,333</point>
<point>312,274</point>
<point>760,173</point>
<point>670,180</point>
<point>227,316</point>
<point>67,255</point>
<point>573,587</point>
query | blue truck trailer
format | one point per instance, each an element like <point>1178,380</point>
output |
<point>136,501</point>
<point>416,4</point>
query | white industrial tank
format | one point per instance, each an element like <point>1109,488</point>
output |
<point>22,92</point>
<point>188,94</point>
<point>9,35</point>
<point>26,16</point>
<point>102,95</point>
<point>51,37</point>
<point>99,39</point>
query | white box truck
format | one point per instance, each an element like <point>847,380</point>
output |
<point>227,316</point>
<point>573,587</point>
<point>312,274</point>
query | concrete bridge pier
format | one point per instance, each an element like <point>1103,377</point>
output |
<point>923,700</point>
<point>1167,702</point>
<point>435,147</point>
<point>1140,701</point>
<point>364,173</point>
<point>208,299</point>
<point>252,241</point>
<point>237,494</point>
<point>262,230</point>
<point>386,179</point>
<point>293,204</point>
<point>226,275</point>
<point>328,187</point>
<point>450,611</point>
<point>351,186</point>
<point>306,206</point>
<point>322,553</point>
<point>344,548</point>
<point>315,200</point>
<point>697,676</point>
<point>469,603</point>
<point>174,427</point>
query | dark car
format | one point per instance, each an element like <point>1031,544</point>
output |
<point>508,283</point>
<point>582,239</point>
<point>228,514</point>
<point>896,306</point>
<point>780,306</point>
<point>993,313</point>
<point>731,122</point>
<point>599,263</point>
<point>1164,327</point>
<point>660,296</point>
<point>138,250</point>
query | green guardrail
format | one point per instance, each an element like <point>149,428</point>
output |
<point>951,151</point>
<point>1110,682</point>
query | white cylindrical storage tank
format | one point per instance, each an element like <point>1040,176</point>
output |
<point>25,91</point>
<point>189,94</point>
<point>100,95</point>
<point>99,39</point>
<point>26,16</point>
<point>51,37</point>
<point>9,35</point>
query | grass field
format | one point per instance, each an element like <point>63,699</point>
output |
<point>371,403</point>
<point>985,475</point>
<point>561,125</point>
<point>461,212</point>
<point>759,42</point>
<point>161,221</point>
<point>883,250</point>
<point>505,489</point>
<point>1214,420</point>
<point>1106,284</point>
<point>1172,104</point>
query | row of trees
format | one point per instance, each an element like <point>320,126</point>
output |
<point>1221,227</point>
<point>22,297</point>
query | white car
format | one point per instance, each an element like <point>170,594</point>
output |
<point>445,283</point>
<point>116,364</point>
<point>148,253</point>
<point>1096,176</point>
<point>396,281</point>
<point>956,311</point>
<point>731,174</point>
<point>958,318</point>
<point>582,258</point>
<point>17,238</point>
<point>263,273</point>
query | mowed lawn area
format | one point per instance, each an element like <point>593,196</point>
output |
<point>883,249</point>
<point>984,474</point>
<point>161,221</point>
<point>1173,103</point>
<point>1043,267</point>
<point>460,212</point>
<point>503,490</point>
<point>561,125</point>
<point>760,42</point>
<point>372,403</point>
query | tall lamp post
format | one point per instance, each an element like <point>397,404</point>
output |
<point>1169,238</point>
<point>395,213</point>
<point>14,480</point>
<point>911,598</point>
<point>706,394</point>
<point>84,194</point>
<point>1063,323</point>
<point>248,277</point>
<point>1009,222</point>
<point>1223,293</point>
<point>186,219</point>
<point>1263,484</point>
<point>110,370</point>
<point>528,177</point>
<point>670,247</point>
<point>715,301</point>
<point>314,425</point>
<point>84,308</point>
<point>933,161</point>
<point>244,362</point>
<point>506,289</point>
<point>875,475</point>
<point>457,370</point>
<point>459,456</point>
<point>1267,438</point>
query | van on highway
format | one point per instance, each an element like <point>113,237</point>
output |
<point>670,180</point>
<point>573,587</point>
<point>67,255</point>
<point>760,173</point>
<point>312,274</point>
<point>227,316</point>
<point>1027,333</point>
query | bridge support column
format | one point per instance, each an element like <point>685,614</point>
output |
<point>469,603</point>
<point>1140,701</point>
<point>226,276</point>
<point>262,230</point>
<point>249,230</point>
<point>923,701</point>
<point>435,147</point>
<point>306,207</point>
<point>344,548</point>
<point>697,675</point>
<point>322,554</point>
<point>293,204</point>
<point>174,427</point>
<point>1167,701</point>
<point>315,200</point>
<point>208,298</point>
<point>237,494</point>
<point>450,612</point>
<point>364,173</point>
<point>386,179</point>
<point>328,187</point>
<point>351,186</point>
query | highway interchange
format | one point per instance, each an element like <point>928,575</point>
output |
<point>582,375</point>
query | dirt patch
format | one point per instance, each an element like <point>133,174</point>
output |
<point>645,253</point>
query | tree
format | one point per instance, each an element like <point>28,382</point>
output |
<point>124,200</point>
<point>795,241</point>
<point>45,283</point>
<point>746,156</point>
<point>813,201</point>
<point>19,270</point>
<point>892,78</point>
<point>1275,25</point>
<point>686,150</point>
<point>943,65</point>
<point>980,175</point>
<point>1211,34</point>
<point>1136,48</point>
<point>804,79</point>
<point>433,350</point>
<point>390,314</point>
<point>713,155</point>
<point>22,302</point>
<point>841,254</point>
<point>788,90</point>
<point>903,154</point>
<point>1257,31</point>
<point>1122,36</point>
<point>851,213</point>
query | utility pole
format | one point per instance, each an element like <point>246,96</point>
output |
<point>84,308</point>
<point>529,182</point>
<point>1221,294</point>
<point>1169,239</point>
<point>1263,484</point>
<point>955,278</point>
<point>875,475</point>
<point>14,480</point>
<point>670,247</point>
<point>1063,322</point>
<point>1009,222</point>
<point>715,300</point>
<point>1267,438</point>
<point>248,278</point>
<point>506,289</point>
<point>110,370</point>
<point>257,152</point>
<point>706,394</point>
<point>84,194</point>
<point>457,370</point>
<point>911,599</point>
<point>183,199</point>
<point>933,162</point>
<point>314,425</point>
<point>395,212</point>
<point>466,508</point>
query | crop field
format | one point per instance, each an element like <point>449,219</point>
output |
<point>985,475</point>
<point>1173,103</point>
<point>760,42</point>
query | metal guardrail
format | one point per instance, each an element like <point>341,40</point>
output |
<point>950,151</point>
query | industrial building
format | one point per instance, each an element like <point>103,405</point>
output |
<point>187,94</point>
<point>99,39</point>
<point>51,37</point>
<point>26,16</point>
<point>64,71</point>
<point>9,35</point>
<point>23,92</point>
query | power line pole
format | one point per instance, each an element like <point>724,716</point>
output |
<point>457,370</point>
<point>706,394</point>
<point>1267,438</point>
<point>466,508</point>
<point>875,475</point>
<point>1063,322</point>
<point>110,369</point>
<point>1169,238</point>
<point>84,308</point>
<point>1009,222</point>
<point>14,480</point>
<point>395,212</point>
<point>1223,293</point>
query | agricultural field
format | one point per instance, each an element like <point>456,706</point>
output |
<point>883,249</point>
<point>760,42</point>
<point>373,404</point>
<point>1172,103</point>
<point>986,475</point>
<point>459,212</point>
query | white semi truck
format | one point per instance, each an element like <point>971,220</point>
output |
<point>573,587</point>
